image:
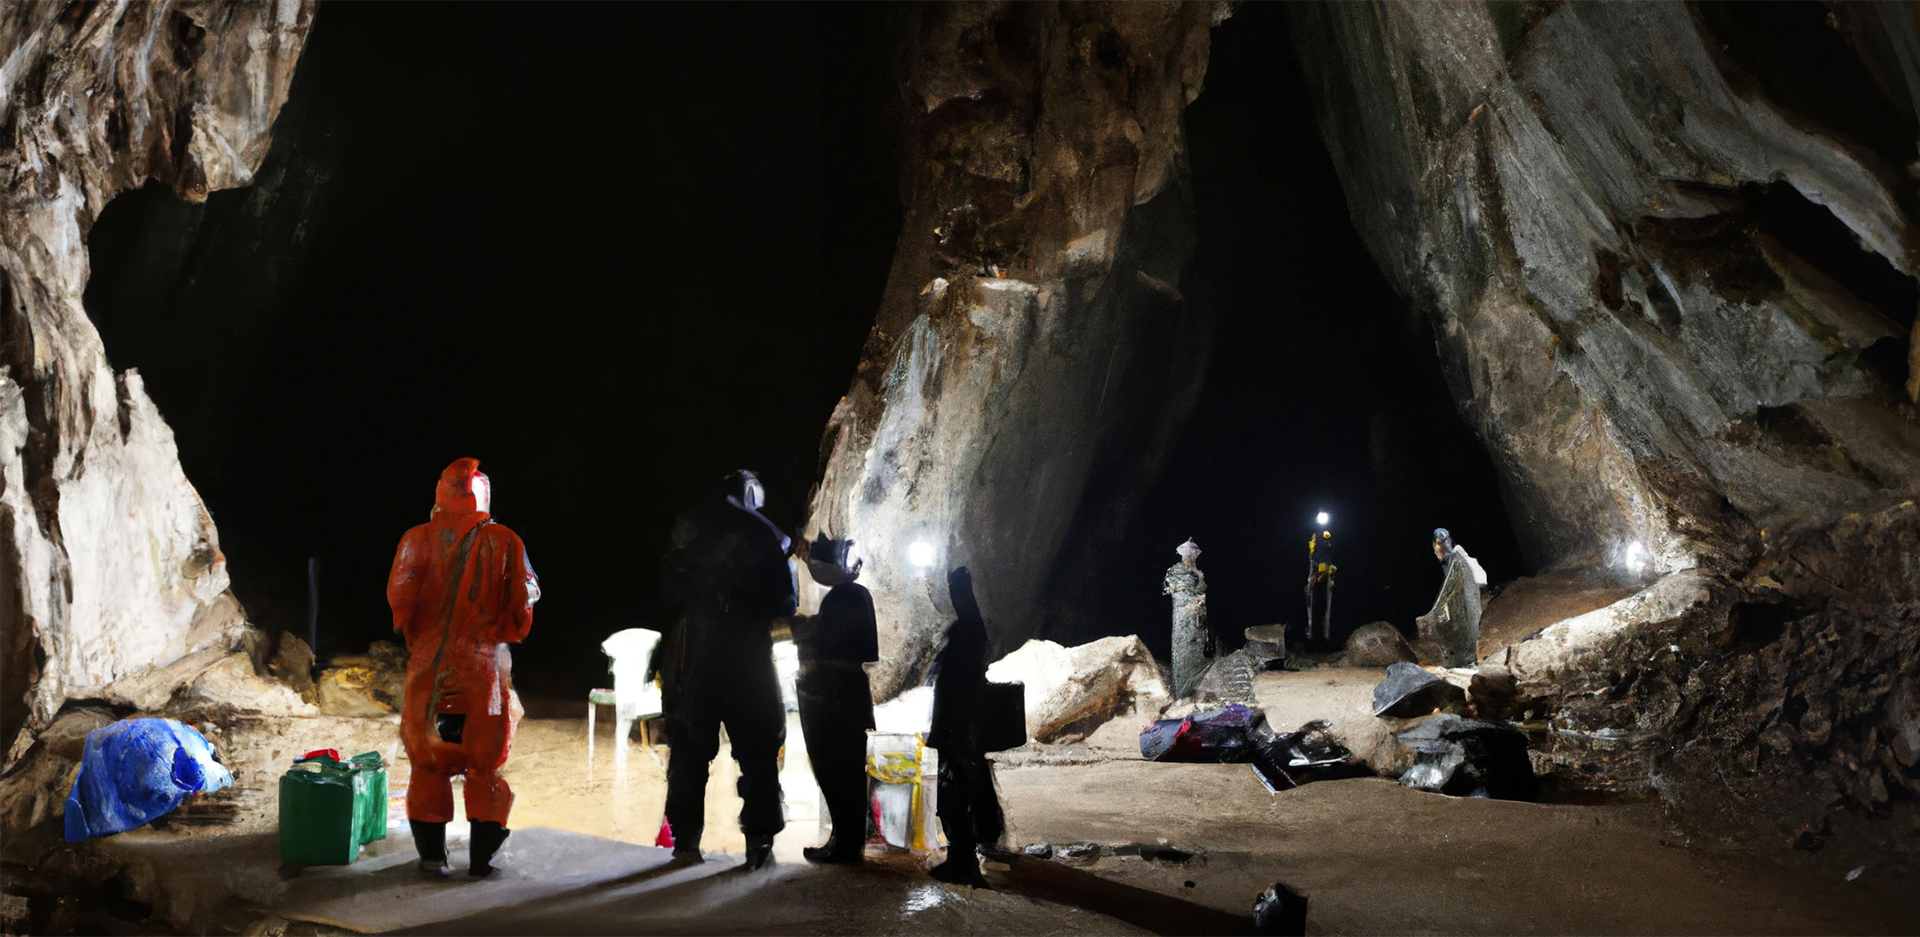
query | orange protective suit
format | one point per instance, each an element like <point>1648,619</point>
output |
<point>461,591</point>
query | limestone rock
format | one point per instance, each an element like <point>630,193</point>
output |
<point>1577,196</point>
<point>232,683</point>
<point>293,663</point>
<point>1378,644</point>
<point>1071,692</point>
<point>114,560</point>
<point>370,684</point>
<point>34,790</point>
<point>1016,337</point>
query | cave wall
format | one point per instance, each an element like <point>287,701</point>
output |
<point>1032,343</point>
<point>1568,191</point>
<point>111,566</point>
<point>1584,199</point>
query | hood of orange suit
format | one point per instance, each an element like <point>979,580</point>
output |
<point>455,492</point>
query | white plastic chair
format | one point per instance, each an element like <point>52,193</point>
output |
<point>634,696</point>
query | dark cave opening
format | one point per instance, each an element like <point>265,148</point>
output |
<point>613,255</point>
<point>1323,390</point>
<point>1811,231</point>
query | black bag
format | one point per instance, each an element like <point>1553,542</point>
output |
<point>1002,712</point>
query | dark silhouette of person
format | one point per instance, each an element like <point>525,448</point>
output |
<point>836,702</point>
<point>968,803</point>
<point>727,577</point>
<point>461,591</point>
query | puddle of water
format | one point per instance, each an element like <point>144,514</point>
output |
<point>924,898</point>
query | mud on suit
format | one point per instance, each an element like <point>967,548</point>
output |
<point>461,591</point>
<point>728,577</point>
<point>836,705</point>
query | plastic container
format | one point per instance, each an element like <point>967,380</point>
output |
<point>329,809</point>
<point>904,772</point>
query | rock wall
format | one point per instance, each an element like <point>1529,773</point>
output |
<point>1032,352</point>
<point>1576,194</point>
<point>1677,384</point>
<point>110,567</point>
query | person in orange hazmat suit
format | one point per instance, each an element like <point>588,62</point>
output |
<point>461,590</point>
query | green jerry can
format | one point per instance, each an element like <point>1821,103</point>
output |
<point>329,808</point>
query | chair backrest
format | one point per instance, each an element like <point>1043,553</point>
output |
<point>632,650</point>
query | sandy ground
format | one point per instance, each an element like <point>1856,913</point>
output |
<point>556,785</point>
<point>891,895</point>
<point>1374,857</point>
<point>1379,858</point>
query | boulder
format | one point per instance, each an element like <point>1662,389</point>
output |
<point>1378,644</point>
<point>1452,755</point>
<point>1266,646</point>
<point>232,683</point>
<point>370,684</point>
<point>1410,690</point>
<point>1073,691</point>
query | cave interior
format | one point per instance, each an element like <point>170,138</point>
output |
<point>418,270</point>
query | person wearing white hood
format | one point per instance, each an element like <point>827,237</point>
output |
<point>1454,620</point>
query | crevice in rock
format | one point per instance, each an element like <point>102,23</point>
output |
<point>1797,54</point>
<point>1811,231</point>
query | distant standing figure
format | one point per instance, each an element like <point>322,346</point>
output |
<point>968,804</point>
<point>836,702</point>
<point>1320,573</point>
<point>727,575</point>
<point>1193,644</point>
<point>461,591</point>
<point>1454,620</point>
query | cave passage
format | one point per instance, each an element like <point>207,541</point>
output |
<point>612,254</point>
<point>1323,392</point>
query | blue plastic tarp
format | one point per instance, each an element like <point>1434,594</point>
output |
<point>135,770</point>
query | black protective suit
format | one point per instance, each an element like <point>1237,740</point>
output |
<point>836,709</point>
<point>728,576</point>
<point>968,803</point>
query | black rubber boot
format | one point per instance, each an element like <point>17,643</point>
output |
<point>834,854</point>
<point>962,867</point>
<point>431,840</point>
<point>759,852</point>
<point>485,841</point>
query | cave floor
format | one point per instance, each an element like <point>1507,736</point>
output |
<point>1374,857</point>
